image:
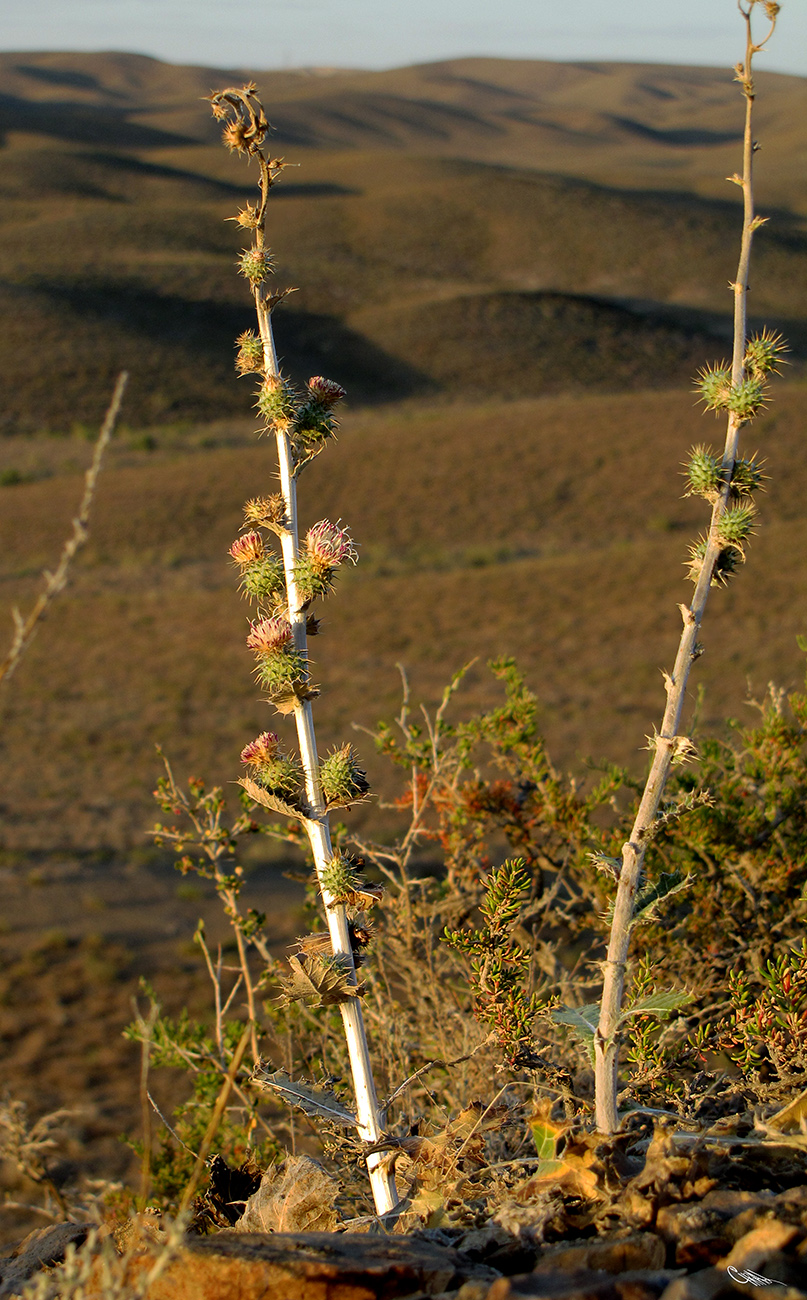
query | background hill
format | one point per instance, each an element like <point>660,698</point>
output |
<point>514,268</point>
<point>445,225</point>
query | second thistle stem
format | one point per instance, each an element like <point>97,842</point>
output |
<point>667,743</point>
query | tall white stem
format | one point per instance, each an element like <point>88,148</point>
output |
<point>368,1113</point>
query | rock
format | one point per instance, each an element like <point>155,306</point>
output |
<point>303,1266</point>
<point>40,1249</point>
<point>641,1250</point>
<point>756,1248</point>
<point>584,1284</point>
<point>763,1252</point>
<point>708,1284</point>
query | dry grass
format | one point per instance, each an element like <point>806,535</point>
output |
<point>148,646</point>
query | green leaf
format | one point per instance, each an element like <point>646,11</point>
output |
<point>582,1021</point>
<point>650,896</point>
<point>659,1004</point>
<point>544,1135</point>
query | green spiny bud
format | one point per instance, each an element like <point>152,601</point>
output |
<point>737,525</point>
<point>714,385</point>
<point>747,398</point>
<point>728,561</point>
<point>312,578</point>
<point>264,581</point>
<point>256,265</point>
<point>704,474</point>
<point>277,402</point>
<point>342,778</point>
<point>763,354</point>
<point>746,477</point>
<point>281,669</point>
<point>275,771</point>
<point>250,353</point>
<point>341,877</point>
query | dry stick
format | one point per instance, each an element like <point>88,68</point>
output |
<point>55,582</point>
<point>215,1119</point>
<point>668,742</point>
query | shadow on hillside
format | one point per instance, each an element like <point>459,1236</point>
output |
<point>179,352</point>
<point>83,124</point>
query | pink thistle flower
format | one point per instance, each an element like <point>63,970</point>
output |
<point>263,749</point>
<point>247,548</point>
<point>325,391</point>
<point>269,635</point>
<point>329,545</point>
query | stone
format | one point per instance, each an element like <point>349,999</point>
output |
<point>303,1266</point>
<point>584,1284</point>
<point>42,1248</point>
<point>707,1284</point>
<point>641,1250</point>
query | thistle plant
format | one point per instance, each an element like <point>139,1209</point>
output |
<point>727,483</point>
<point>282,588</point>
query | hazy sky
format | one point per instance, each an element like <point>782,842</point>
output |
<point>389,33</point>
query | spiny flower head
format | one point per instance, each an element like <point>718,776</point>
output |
<point>261,750</point>
<point>326,392</point>
<point>250,353</point>
<point>256,264</point>
<point>714,385</point>
<point>247,548</point>
<point>269,511</point>
<point>328,545</point>
<point>264,581</point>
<point>247,217</point>
<point>737,524</point>
<point>277,401</point>
<point>236,135</point>
<point>729,559</point>
<point>704,474</point>
<point>747,398</point>
<point>270,635</point>
<point>746,477</point>
<point>763,354</point>
<point>342,777</point>
<point>277,772</point>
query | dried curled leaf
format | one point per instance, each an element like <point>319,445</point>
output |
<point>313,1101</point>
<point>295,1196</point>
<point>286,701</point>
<point>319,981</point>
<point>266,800</point>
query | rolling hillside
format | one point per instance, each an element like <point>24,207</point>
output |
<point>443,222</point>
<point>514,268</point>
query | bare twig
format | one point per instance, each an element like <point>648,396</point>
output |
<point>55,582</point>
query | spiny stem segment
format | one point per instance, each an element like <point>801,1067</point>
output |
<point>283,592</point>
<point>739,390</point>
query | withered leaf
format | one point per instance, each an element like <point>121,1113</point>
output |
<point>287,701</point>
<point>296,1196</point>
<point>273,801</point>
<point>366,896</point>
<point>313,1101</point>
<point>319,982</point>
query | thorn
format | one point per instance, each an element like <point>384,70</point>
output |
<point>687,615</point>
<point>669,682</point>
<point>736,179</point>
